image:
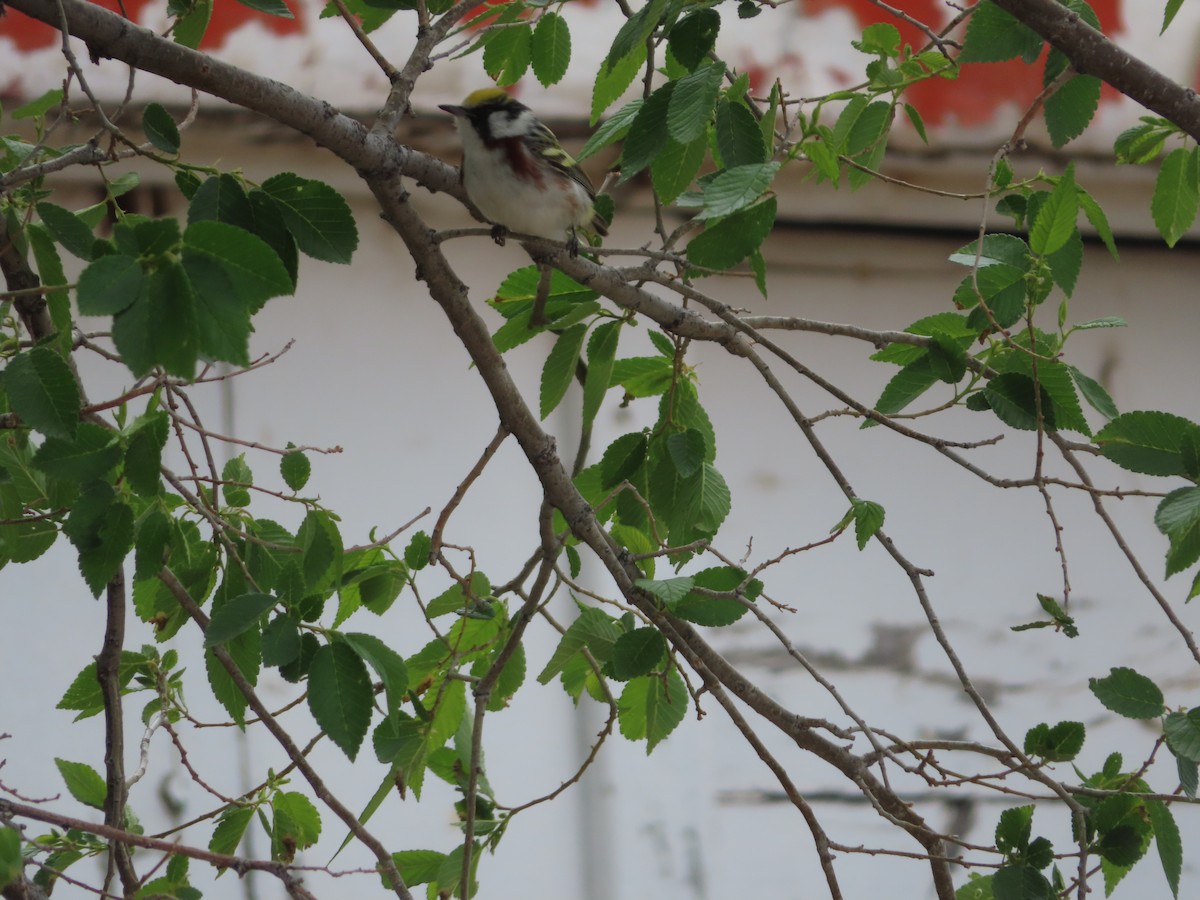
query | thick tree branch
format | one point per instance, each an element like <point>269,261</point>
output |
<point>1091,53</point>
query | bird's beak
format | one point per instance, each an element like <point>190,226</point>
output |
<point>452,109</point>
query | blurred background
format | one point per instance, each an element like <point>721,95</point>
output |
<point>375,370</point>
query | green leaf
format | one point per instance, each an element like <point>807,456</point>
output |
<point>675,167</point>
<point>593,629</point>
<point>693,37</point>
<point>906,386</point>
<point>995,36</point>
<point>643,376</point>
<point>638,652</point>
<point>297,824</point>
<point>739,137</point>
<point>295,469</point>
<point>160,128</point>
<point>622,458</point>
<point>254,270</point>
<point>1070,109</point>
<point>237,478</point>
<point>1149,442</point>
<point>416,554</point>
<point>687,450</point>
<point>340,696</point>
<point>1182,731</point>
<point>84,693</point>
<point>1013,830</point>
<point>1055,221</point>
<point>237,616</point>
<point>143,453</point>
<point>1060,743</point>
<point>716,611</point>
<point>68,229</point>
<point>12,863</point>
<point>612,83</point>
<point>1172,7</point>
<point>101,528</point>
<point>1178,517</point>
<point>669,591</point>
<point>1167,838</point>
<point>85,783</point>
<point>387,663</point>
<point>736,188</point>
<point>231,826</point>
<point>634,32</point>
<point>868,519</point>
<point>221,198</point>
<point>43,392</point>
<point>1012,398</point>
<point>1176,195</point>
<point>160,327</point>
<point>508,52</point>
<point>551,48</point>
<point>50,270</point>
<point>109,285</point>
<point>1094,393</point>
<point>646,136</point>
<point>321,545</point>
<point>728,241</point>
<point>614,128</point>
<point>316,215</point>
<point>270,7</point>
<point>692,103</point>
<point>1128,693</point>
<point>650,707</point>
<point>191,26</point>
<point>89,455</point>
<point>39,106</point>
<point>280,641</point>
<point>918,124</point>
<point>602,348</point>
<point>559,367</point>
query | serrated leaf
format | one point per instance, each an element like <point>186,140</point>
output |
<point>1169,12</point>
<point>687,450</point>
<point>231,826</point>
<point>675,167</point>
<point>89,455</point>
<point>1056,217</point>
<point>551,48</point>
<point>108,285</point>
<point>160,128</point>
<point>995,36</point>
<point>694,36</point>
<point>508,52</point>
<point>868,519</point>
<point>602,349</point>
<point>43,392</point>
<point>646,136</point>
<point>1071,108</point>
<point>650,707</point>
<point>1128,693</point>
<point>1182,731</point>
<point>1176,196</point>
<point>638,652</point>
<point>692,103</point>
<point>340,696</point>
<point>236,477</point>
<point>614,128</point>
<point>739,137</point>
<point>295,469</point>
<point>297,824</point>
<point>1149,442</point>
<point>387,663</point>
<point>612,83</point>
<point>728,241</point>
<point>160,327</point>
<point>1059,743</point>
<point>321,546</point>
<point>1168,841</point>
<point>670,591</point>
<point>559,368</point>
<point>1013,397</point>
<point>317,216</point>
<point>271,7</point>
<point>68,229</point>
<point>237,616</point>
<point>736,188</point>
<point>84,783</point>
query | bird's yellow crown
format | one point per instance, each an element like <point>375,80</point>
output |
<point>484,95</point>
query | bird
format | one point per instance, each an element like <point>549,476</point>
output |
<point>517,174</point>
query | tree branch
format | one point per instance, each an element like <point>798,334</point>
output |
<point>1091,53</point>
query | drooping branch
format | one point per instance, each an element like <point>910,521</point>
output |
<point>1091,53</point>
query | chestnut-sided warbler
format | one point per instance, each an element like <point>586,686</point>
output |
<point>518,175</point>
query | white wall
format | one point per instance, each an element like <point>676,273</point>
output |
<point>376,369</point>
